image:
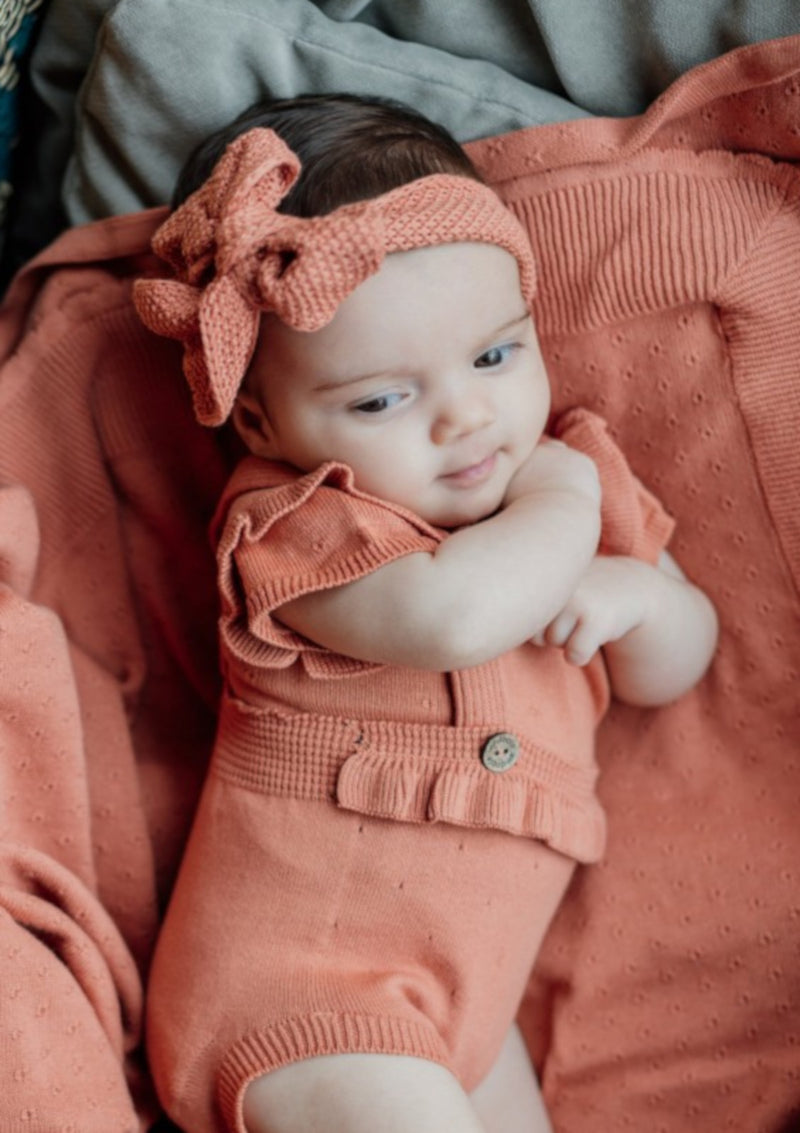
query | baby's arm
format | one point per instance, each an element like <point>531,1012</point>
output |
<point>486,588</point>
<point>658,632</point>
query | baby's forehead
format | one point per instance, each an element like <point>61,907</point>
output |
<point>453,255</point>
<point>432,279</point>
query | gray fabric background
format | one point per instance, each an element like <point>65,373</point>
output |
<point>124,88</point>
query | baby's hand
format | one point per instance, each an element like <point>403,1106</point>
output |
<point>610,600</point>
<point>554,467</point>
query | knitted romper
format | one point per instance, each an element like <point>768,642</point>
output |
<point>378,851</point>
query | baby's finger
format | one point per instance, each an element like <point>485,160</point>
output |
<point>561,628</point>
<point>582,645</point>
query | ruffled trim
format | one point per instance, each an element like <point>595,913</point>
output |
<point>424,791</point>
<point>284,535</point>
<point>634,523</point>
<point>412,773</point>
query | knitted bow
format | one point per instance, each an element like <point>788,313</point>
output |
<point>234,255</point>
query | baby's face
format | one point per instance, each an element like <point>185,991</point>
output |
<point>428,383</point>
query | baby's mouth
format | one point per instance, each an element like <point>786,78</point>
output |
<point>471,475</point>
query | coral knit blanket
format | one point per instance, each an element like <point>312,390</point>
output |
<point>668,993</point>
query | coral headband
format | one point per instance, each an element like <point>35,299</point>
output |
<point>234,255</point>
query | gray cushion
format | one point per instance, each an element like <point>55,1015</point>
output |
<point>126,87</point>
<point>167,72</point>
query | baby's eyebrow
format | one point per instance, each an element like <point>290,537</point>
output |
<point>523,318</point>
<point>352,380</point>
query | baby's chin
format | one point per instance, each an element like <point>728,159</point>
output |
<point>464,513</point>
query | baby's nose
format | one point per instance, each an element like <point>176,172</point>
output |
<point>460,416</point>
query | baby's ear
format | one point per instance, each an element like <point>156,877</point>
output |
<point>251,423</point>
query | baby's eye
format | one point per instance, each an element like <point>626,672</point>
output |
<point>378,404</point>
<point>495,356</point>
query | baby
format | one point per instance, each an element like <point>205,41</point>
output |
<point>425,605</point>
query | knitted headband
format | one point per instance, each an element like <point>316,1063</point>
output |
<point>234,255</point>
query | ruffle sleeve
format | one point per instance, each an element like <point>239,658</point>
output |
<point>633,521</point>
<point>281,536</point>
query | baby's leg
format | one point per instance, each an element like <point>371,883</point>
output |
<point>362,1093</point>
<point>508,1099</point>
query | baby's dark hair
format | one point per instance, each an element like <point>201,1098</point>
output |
<point>350,148</point>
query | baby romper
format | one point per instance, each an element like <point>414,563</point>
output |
<point>378,851</point>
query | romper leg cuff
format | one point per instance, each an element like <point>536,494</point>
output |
<point>296,1039</point>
